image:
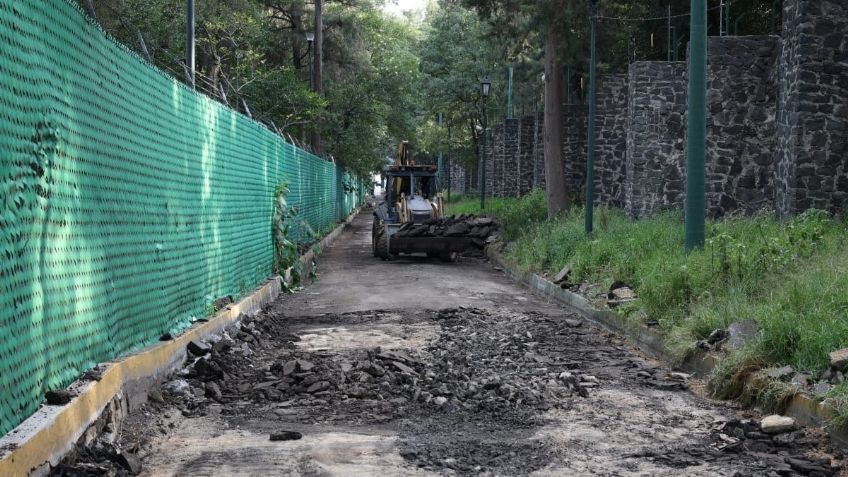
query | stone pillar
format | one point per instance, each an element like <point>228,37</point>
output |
<point>611,140</point>
<point>812,122</point>
<point>457,178</point>
<point>741,109</point>
<point>655,137</point>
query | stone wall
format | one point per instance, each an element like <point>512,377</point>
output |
<point>498,157</point>
<point>741,109</point>
<point>655,125</point>
<point>611,140</point>
<point>539,151</point>
<point>526,153</point>
<point>777,126</point>
<point>511,159</point>
<point>812,123</point>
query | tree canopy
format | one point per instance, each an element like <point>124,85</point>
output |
<point>387,77</point>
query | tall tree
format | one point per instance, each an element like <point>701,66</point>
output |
<point>456,53</point>
<point>554,171</point>
<point>514,20</point>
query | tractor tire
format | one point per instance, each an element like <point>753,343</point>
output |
<point>382,245</point>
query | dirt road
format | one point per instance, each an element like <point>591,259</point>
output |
<point>417,367</point>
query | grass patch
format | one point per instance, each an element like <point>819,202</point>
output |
<point>790,276</point>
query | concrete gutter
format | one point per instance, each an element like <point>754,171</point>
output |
<point>807,411</point>
<point>42,440</point>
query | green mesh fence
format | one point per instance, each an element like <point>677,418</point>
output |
<point>129,202</point>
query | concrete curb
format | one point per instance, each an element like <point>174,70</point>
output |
<point>42,440</point>
<point>806,410</point>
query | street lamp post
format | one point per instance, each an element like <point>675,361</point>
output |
<point>485,85</point>
<point>310,37</point>
<point>440,174</point>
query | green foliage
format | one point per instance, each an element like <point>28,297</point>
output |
<point>456,54</point>
<point>286,253</point>
<point>837,400</point>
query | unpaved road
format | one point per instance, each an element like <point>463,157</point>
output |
<point>416,367</point>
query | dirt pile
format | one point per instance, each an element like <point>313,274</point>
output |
<point>473,366</point>
<point>469,399</point>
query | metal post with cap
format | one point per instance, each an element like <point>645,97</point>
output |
<point>484,85</point>
<point>697,128</point>
<point>590,143</point>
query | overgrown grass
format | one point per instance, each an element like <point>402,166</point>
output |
<point>514,214</point>
<point>790,276</point>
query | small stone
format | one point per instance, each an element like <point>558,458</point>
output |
<point>562,276</point>
<point>129,461</point>
<point>213,391</point>
<point>317,387</point>
<point>198,349</point>
<point>839,358</point>
<point>821,388</point>
<point>440,401</point>
<point>177,387</point>
<point>741,333</point>
<point>290,367</point>
<point>572,323</point>
<point>776,424</point>
<point>166,337</point>
<point>589,379</point>
<point>304,366</point>
<point>404,368</point>
<point>58,397</point>
<point>800,379</point>
<point>374,369</point>
<point>286,436</point>
<point>155,395</point>
<point>778,373</point>
<point>207,368</point>
<point>222,346</point>
<point>679,376</point>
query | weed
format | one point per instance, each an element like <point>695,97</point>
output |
<point>837,400</point>
<point>286,253</point>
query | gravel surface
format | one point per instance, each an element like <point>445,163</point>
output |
<point>491,392</point>
<point>416,367</point>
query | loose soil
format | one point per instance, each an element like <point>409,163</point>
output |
<point>503,384</point>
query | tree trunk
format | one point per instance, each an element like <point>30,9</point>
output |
<point>316,70</point>
<point>297,43</point>
<point>554,173</point>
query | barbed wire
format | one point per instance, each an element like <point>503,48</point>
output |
<point>647,19</point>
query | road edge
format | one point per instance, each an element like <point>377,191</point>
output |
<point>806,410</point>
<point>40,442</point>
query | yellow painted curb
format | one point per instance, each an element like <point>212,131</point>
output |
<point>48,435</point>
